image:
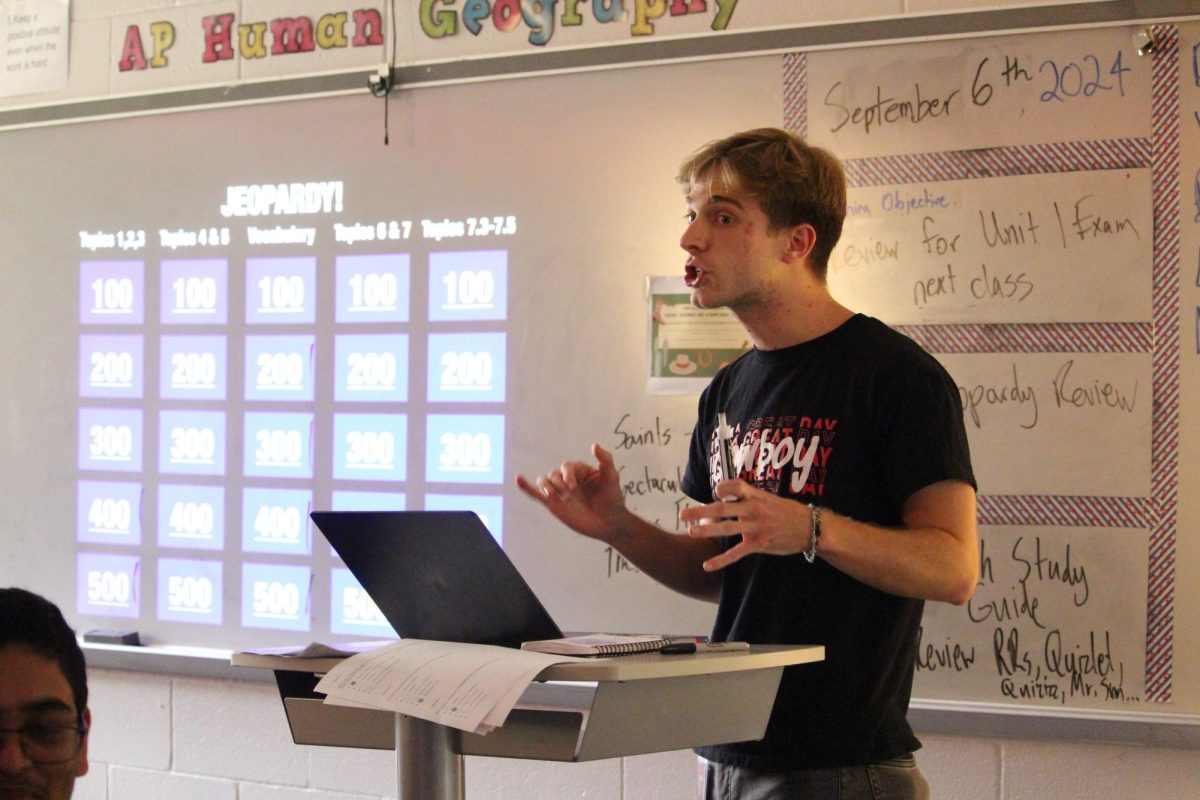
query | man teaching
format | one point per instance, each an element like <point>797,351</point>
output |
<point>851,498</point>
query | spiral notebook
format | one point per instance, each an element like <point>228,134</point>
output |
<point>606,644</point>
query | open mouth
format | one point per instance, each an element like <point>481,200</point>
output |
<point>692,275</point>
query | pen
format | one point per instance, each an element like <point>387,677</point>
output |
<point>683,648</point>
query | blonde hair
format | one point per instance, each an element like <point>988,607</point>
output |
<point>794,181</point>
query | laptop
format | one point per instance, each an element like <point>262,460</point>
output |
<point>438,575</point>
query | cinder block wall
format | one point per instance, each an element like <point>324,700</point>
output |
<point>157,736</point>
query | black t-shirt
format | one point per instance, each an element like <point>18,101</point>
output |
<point>855,421</point>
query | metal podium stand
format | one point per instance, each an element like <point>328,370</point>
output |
<point>575,711</point>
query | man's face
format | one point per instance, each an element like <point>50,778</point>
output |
<point>34,692</point>
<point>734,257</point>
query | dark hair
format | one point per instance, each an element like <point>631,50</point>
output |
<point>31,621</point>
<point>794,181</point>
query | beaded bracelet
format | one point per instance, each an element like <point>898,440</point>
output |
<point>814,533</point>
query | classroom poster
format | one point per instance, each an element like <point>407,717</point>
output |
<point>35,34</point>
<point>687,345</point>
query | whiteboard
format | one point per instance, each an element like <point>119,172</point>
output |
<point>1012,209</point>
<point>1074,396</point>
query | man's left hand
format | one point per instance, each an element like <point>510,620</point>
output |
<point>766,522</point>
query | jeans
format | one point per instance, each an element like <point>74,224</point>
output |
<point>894,779</point>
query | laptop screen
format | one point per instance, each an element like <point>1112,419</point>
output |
<point>438,575</point>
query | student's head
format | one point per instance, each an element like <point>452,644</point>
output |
<point>796,183</point>
<point>43,700</point>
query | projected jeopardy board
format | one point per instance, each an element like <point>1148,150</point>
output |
<point>224,395</point>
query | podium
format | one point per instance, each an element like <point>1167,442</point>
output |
<point>573,711</point>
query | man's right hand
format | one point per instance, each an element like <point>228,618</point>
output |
<point>583,497</point>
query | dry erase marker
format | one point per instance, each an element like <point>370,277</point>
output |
<point>725,437</point>
<point>683,648</point>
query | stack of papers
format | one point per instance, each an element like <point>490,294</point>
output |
<point>471,687</point>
